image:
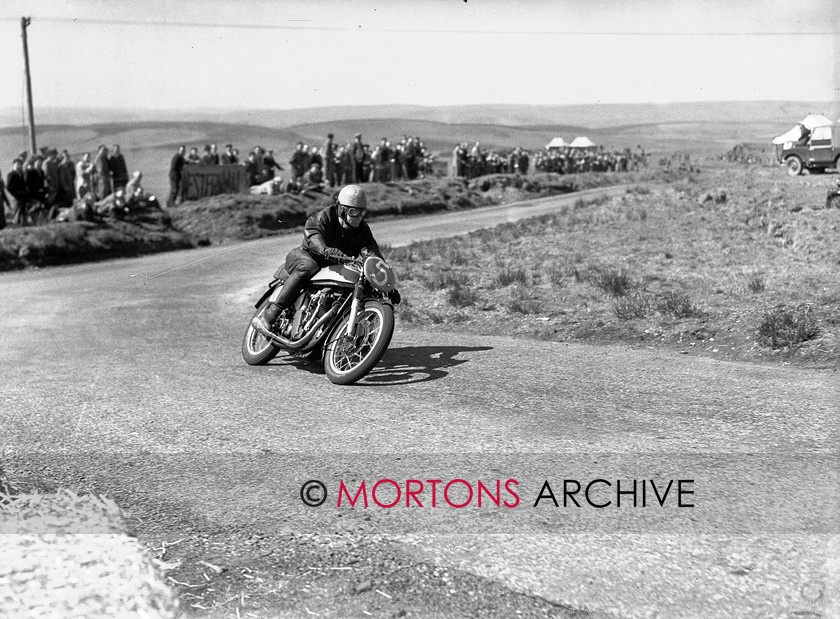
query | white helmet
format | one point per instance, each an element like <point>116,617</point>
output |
<point>352,200</point>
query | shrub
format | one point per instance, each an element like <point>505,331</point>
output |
<point>757,282</point>
<point>521,301</point>
<point>627,307</point>
<point>461,296</point>
<point>438,280</point>
<point>614,282</point>
<point>678,304</point>
<point>788,326</point>
<point>556,273</point>
<point>509,274</point>
<point>455,256</point>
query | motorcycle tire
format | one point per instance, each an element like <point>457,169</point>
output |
<point>256,350</point>
<point>347,361</point>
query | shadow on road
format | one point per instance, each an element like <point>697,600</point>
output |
<point>399,366</point>
<point>417,364</point>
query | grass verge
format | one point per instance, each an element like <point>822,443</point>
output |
<point>690,274</point>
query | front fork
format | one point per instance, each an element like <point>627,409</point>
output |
<point>358,294</point>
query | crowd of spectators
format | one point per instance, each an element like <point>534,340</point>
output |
<point>571,160</point>
<point>476,161</point>
<point>312,167</point>
<point>44,184</point>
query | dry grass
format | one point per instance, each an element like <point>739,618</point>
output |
<point>789,326</point>
<point>657,265</point>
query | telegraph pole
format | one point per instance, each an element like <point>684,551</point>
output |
<point>24,22</point>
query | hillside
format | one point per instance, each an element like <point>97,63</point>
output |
<point>520,114</point>
<point>148,138</point>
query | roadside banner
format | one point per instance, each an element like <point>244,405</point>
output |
<point>201,181</point>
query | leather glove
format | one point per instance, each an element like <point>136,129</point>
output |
<point>395,296</point>
<point>337,255</point>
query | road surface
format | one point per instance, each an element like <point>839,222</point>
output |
<point>125,377</point>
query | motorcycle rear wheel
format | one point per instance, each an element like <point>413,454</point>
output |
<point>347,360</point>
<point>256,349</point>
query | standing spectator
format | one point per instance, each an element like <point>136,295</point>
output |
<point>103,173</point>
<point>454,167</point>
<point>298,161</point>
<point>16,185</point>
<point>252,169</point>
<point>524,161</point>
<point>4,202</point>
<point>229,157</point>
<point>307,157</point>
<point>34,178</point>
<point>357,155</point>
<point>66,180</point>
<point>367,164</point>
<point>85,175</point>
<point>396,168</point>
<point>51,182</point>
<point>119,169</point>
<point>410,159</point>
<point>270,164</point>
<point>207,157</point>
<point>193,158</point>
<point>381,162</point>
<point>329,160</point>
<point>176,171</point>
<point>214,154</point>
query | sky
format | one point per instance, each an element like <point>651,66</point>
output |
<point>214,54</point>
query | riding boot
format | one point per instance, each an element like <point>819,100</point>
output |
<point>283,298</point>
<point>263,321</point>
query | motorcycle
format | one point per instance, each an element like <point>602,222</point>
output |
<point>344,317</point>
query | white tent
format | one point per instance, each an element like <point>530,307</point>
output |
<point>582,142</point>
<point>556,143</point>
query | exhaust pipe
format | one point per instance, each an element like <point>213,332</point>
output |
<point>298,344</point>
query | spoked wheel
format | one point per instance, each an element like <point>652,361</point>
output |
<point>256,349</point>
<point>348,359</point>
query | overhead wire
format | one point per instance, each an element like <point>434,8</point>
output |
<point>360,28</point>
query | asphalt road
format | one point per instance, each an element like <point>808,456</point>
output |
<point>126,377</point>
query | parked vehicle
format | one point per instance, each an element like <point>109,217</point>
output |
<point>813,145</point>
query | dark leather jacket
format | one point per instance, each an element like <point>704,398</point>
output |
<point>325,238</point>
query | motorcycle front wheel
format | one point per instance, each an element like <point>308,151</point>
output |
<point>256,349</point>
<point>348,359</point>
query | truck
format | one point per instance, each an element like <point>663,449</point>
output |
<point>813,145</point>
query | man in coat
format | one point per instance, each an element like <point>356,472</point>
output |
<point>176,171</point>
<point>103,173</point>
<point>118,167</point>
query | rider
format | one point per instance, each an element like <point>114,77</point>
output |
<point>333,235</point>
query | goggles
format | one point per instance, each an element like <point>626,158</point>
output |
<point>352,211</point>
